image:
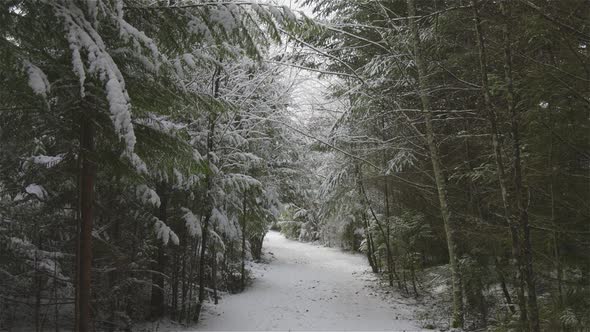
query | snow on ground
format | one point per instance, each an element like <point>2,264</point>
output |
<point>308,287</point>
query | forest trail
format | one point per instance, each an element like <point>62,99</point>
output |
<point>309,287</point>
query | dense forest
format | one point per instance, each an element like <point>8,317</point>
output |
<point>147,147</point>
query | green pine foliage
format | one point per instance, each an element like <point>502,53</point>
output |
<point>384,186</point>
<point>186,125</point>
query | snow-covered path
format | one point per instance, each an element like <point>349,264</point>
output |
<point>307,287</point>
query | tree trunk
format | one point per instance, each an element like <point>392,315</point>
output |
<point>174,285</point>
<point>370,247</point>
<point>185,278</point>
<point>387,238</point>
<point>501,173</point>
<point>557,254</point>
<point>38,285</point>
<point>88,174</point>
<point>191,279</point>
<point>483,307</point>
<point>209,207</point>
<point>449,222</point>
<point>243,272</point>
<point>390,267</point>
<point>413,275</point>
<point>214,273</point>
<point>157,296</point>
<point>521,200</point>
<point>256,243</point>
<point>389,251</point>
<point>370,250</point>
<point>56,307</point>
<point>201,278</point>
<point>503,285</point>
<point>113,277</point>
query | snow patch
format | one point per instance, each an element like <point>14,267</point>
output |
<point>147,195</point>
<point>192,223</point>
<point>165,233</point>
<point>47,161</point>
<point>36,190</point>
<point>37,79</point>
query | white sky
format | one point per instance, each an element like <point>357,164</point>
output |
<point>308,98</point>
<point>296,5</point>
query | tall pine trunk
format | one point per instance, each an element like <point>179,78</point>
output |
<point>201,277</point>
<point>185,279</point>
<point>113,277</point>
<point>500,169</point>
<point>174,284</point>
<point>157,295</point>
<point>448,219</point>
<point>87,179</point>
<point>521,199</point>
<point>191,279</point>
<point>388,252</point>
<point>387,235</point>
<point>214,273</point>
<point>38,281</point>
<point>502,280</point>
<point>368,236</point>
<point>556,251</point>
<point>209,204</point>
<point>371,255</point>
<point>243,267</point>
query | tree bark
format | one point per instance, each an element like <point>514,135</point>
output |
<point>413,275</point>
<point>501,173</point>
<point>448,219</point>
<point>370,247</point>
<point>214,273</point>
<point>370,255</point>
<point>88,174</point>
<point>185,280</point>
<point>38,286</point>
<point>113,277</point>
<point>521,200</point>
<point>243,267</point>
<point>174,284</point>
<point>157,295</point>
<point>503,285</point>
<point>209,207</point>
<point>56,307</point>
<point>389,251</point>
<point>390,267</point>
<point>191,279</point>
<point>201,278</point>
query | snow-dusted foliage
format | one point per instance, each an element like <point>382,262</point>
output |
<point>147,195</point>
<point>36,190</point>
<point>143,130</point>
<point>82,36</point>
<point>192,223</point>
<point>148,146</point>
<point>40,259</point>
<point>37,79</point>
<point>164,232</point>
<point>47,161</point>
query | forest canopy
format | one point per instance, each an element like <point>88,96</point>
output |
<point>147,147</point>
